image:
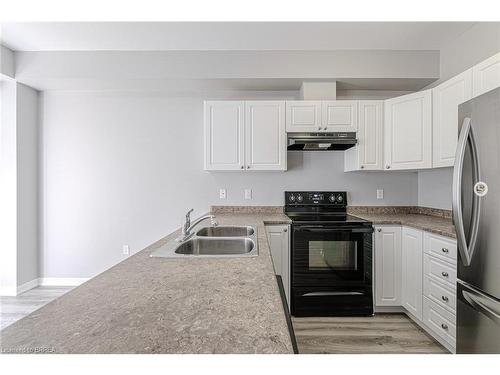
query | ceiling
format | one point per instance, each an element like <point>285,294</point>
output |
<point>200,36</point>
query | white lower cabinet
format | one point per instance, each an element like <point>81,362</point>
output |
<point>440,321</point>
<point>388,265</point>
<point>412,241</point>
<point>278,237</point>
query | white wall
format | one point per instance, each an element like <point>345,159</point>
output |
<point>122,168</point>
<point>27,184</point>
<point>7,66</point>
<point>8,188</point>
<point>472,47</point>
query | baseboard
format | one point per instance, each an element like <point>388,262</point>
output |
<point>62,281</point>
<point>27,286</point>
<point>389,309</point>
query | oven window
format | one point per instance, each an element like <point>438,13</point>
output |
<point>336,255</point>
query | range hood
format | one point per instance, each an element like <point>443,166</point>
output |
<point>321,141</point>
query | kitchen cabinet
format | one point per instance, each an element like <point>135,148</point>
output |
<point>339,115</point>
<point>408,131</point>
<point>245,135</point>
<point>265,135</point>
<point>224,135</point>
<point>368,154</point>
<point>445,100</point>
<point>486,75</point>
<point>278,237</point>
<point>321,116</point>
<point>388,266</point>
<point>303,116</point>
<point>412,252</point>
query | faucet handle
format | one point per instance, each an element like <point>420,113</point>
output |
<point>188,214</point>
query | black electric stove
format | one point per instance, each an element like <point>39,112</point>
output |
<point>331,267</point>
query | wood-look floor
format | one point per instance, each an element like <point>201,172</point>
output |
<point>14,308</point>
<point>382,333</point>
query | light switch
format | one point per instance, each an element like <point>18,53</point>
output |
<point>222,193</point>
<point>380,193</point>
<point>125,250</point>
<point>248,193</point>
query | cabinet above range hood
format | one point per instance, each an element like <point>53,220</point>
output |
<point>321,141</point>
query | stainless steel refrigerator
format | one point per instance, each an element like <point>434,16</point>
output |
<point>476,216</point>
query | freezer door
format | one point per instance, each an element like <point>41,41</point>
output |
<point>478,321</point>
<point>476,193</point>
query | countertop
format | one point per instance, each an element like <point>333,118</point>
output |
<point>434,224</point>
<point>161,305</point>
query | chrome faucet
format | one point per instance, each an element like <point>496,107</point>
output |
<point>187,227</point>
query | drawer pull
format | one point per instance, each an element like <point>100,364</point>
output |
<point>444,326</point>
<point>445,274</point>
<point>444,250</point>
<point>444,298</point>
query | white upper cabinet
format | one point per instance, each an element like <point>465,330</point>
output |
<point>486,75</point>
<point>303,116</point>
<point>445,100</point>
<point>368,154</point>
<point>339,115</point>
<point>224,135</point>
<point>265,140</point>
<point>412,276</point>
<point>245,135</point>
<point>388,266</point>
<point>408,131</point>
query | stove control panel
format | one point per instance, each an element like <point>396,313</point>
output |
<point>320,198</point>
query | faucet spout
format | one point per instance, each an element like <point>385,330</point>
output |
<point>188,226</point>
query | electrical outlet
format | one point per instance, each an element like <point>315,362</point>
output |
<point>248,193</point>
<point>125,250</point>
<point>222,193</point>
<point>380,193</point>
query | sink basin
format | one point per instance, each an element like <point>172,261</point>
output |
<point>209,246</point>
<point>226,231</point>
<point>223,241</point>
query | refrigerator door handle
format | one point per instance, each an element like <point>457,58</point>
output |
<point>483,305</point>
<point>466,138</point>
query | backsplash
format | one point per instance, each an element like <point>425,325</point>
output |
<point>400,210</point>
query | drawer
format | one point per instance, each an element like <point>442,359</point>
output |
<point>443,296</point>
<point>441,247</point>
<point>441,270</point>
<point>439,321</point>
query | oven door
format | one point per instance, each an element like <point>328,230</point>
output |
<point>330,255</point>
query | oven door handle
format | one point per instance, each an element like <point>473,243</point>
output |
<point>334,229</point>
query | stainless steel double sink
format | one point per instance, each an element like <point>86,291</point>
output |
<point>219,241</point>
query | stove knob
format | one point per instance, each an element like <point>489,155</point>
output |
<point>340,198</point>
<point>331,198</point>
<point>300,198</point>
<point>291,198</point>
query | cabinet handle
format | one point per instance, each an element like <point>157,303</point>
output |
<point>387,167</point>
<point>285,230</point>
<point>444,326</point>
<point>444,250</point>
<point>248,167</point>
<point>379,230</point>
<point>362,167</point>
<point>242,167</point>
<point>444,298</point>
<point>325,128</point>
<point>445,274</point>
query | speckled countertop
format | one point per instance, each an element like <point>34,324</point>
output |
<point>434,224</point>
<point>160,305</point>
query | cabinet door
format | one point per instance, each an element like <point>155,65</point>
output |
<point>412,276</point>
<point>388,266</point>
<point>370,134</point>
<point>408,131</point>
<point>279,244</point>
<point>339,115</point>
<point>224,135</point>
<point>445,100</point>
<point>265,135</point>
<point>303,116</point>
<point>486,75</point>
